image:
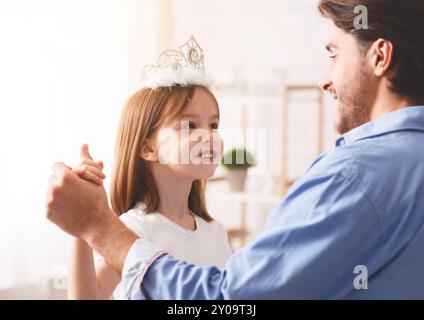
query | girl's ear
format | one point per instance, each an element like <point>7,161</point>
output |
<point>148,153</point>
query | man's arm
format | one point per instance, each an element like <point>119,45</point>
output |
<point>112,239</point>
<point>324,229</point>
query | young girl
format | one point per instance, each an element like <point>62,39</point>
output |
<point>158,198</point>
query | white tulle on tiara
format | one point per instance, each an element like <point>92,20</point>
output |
<point>181,67</point>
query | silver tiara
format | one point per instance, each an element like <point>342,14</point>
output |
<point>178,67</point>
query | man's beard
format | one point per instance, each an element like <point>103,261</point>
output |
<point>353,110</point>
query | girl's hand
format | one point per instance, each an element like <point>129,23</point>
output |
<point>88,169</point>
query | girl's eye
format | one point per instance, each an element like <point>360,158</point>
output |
<point>214,125</point>
<point>332,57</point>
<point>188,125</point>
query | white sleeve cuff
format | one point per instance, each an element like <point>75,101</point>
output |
<point>140,257</point>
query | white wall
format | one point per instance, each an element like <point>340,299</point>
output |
<point>66,69</point>
<point>258,41</point>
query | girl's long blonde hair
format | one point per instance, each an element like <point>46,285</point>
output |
<point>132,180</point>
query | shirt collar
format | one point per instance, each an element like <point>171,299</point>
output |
<point>411,118</point>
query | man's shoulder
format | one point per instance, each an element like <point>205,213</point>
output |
<point>384,168</point>
<point>338,161</point>
<point>377,155</point>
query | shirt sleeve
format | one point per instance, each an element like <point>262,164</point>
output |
<point>141,255</point>
<point>321,231</point>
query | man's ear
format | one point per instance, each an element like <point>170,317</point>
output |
<point>382,51</point>
<point>147,152</point>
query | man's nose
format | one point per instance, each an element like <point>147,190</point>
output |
<point>325,83</point>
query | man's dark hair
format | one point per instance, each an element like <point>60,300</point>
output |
<point>399,21</point>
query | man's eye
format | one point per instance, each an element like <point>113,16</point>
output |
<point>332,57</point>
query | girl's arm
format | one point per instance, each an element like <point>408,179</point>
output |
<point>89,281</point>
<point>82,281</point>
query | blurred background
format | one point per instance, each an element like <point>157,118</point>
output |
<point>67,68</point>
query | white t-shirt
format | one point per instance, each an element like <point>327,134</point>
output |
<point>206,246</point>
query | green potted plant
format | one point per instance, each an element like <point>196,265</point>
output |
<point>237,161</point>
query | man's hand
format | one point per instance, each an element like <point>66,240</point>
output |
<point>80,208</point>
<point>75,205</point>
